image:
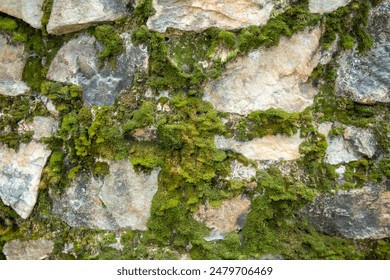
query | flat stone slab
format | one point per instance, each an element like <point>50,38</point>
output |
<point>326,6</point>
<point>28,250</point>
<point>269,78</point>
<point>29,11</point>
<point>20,174</point>
<point>198,15</point>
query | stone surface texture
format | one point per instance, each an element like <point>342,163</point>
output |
<point>352,145</point>
<point>366,77</point>
<point>241,171</point>
<point>269,78</point>
<point>230,216</point>
<point>358,213</point>
<point>28,10</point>
<point>12,61</point>
<point>28,250</point>
<point>122,200</point>
<point>269,147</point>
<point>326,6</point>
<point>77,63</point>
<point>20,173</point>
<point>74,15</point>
<point>41,126</point>
<point>198,15</point>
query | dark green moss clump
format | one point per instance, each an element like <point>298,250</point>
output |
<point>112,42</point>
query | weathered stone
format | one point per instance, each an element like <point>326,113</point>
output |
<point>366,77</point>
<point>352,145</point>
<point>122,200</point>
<point>326,6</point>
<point>358,213</point>
<point>28,250</point>
<point>20,173</point>
<point>28,10</point>
<point>269,78</point>
<point>12,61</point>
<point>198,15</point>
<point>269,147</point>
<point>241,171</point>
<point>77,63</point>
<point>230,216</point>
<point>41,126</point>
<point>74,15</point>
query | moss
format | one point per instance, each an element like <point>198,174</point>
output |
<point>112,42</point>
<point>8,24</point>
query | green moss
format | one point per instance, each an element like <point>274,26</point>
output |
<point>143,10</point>
<point>8,24</point>
<point>112,42</point>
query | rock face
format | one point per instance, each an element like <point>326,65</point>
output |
<point>20,173</point>
<point>28,10</point>
<point>41,126</point>
<point>267,148</point>
<point>28,250</point>
<point>121,201</point>
<point>366,78</point>
<point>269,78</point>
<point>74,15</point>
<point>359,213</point>
<point>12,61</point>
<point>198,15</point>
<point>230,216</point>
<point>327,6</point>
<point>77,63</point>
<point>241,172</point>
<point>352,145</point>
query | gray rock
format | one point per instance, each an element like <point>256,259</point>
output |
<point>326,6</point>
<point>28,250</point>
<point>269,78</point>
<point>77,63</point>
<point>241,171</point>
<point>230,216</point>
<point>352,145</point>
<point>20,173</point>
<point>74,15</point>
<point>12,61</point>
<point>270,147</point>
<point>366,77</point>
<point>41,126</point>
<point>195,15</point>
<point>122,200</point>
<point>358,213</point>
<point>28,10</point>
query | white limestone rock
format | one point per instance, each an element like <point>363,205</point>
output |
<point>29,11</point>
<point>122,200</point>
<point>74,15</point>
<point>198,15</point>
<point>28,250</point>
<point>41,126</point>
<point>20,173</point>
<point>12,61</point>
<point>269,78</point>
<point>326,6</point>
<point>270,147</point>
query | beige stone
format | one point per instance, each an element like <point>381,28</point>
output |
<point>28,250</point>
<point>28,10</point>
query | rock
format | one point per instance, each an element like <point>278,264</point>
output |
<point>198,15</point>
<point>366,77</point>
<point>12,61</point>
<point>77,63</point>
<point>29,11</point>
<point>41,126</point>
<point>28,250</point>
<point>241,171</point>
<point>122,200</point>
<point>269,147</point>
<point>358,213</point>
<point>20,173</point>
<point>328,6</point>
<point>230,216</point>
<point>269,78</point>
<point>74,15</point>
<point>352,145</point>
